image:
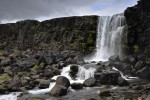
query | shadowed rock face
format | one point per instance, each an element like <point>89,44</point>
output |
<point>78,33</point>
<point>138,20</point>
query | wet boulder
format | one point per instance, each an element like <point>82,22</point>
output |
<point>139,65</point>
<point>63,81</point>
<point>76,86</point>
<point>74,70</point>
<point>144,73</point>
<point>122,82</point>
<point>114,58</point>
<point>105,93</point>
<point>125,68</point>
<point>90,82</point>
<point>58,90</point>
<point>5,62</point>
<point>15,83</point>
<point>43,83</point>
<point>48,73</point>
<point>130,60</point>
<point>107,77</point>
<point>61,86</point>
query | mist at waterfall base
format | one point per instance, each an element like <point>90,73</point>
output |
<point>109,35</point>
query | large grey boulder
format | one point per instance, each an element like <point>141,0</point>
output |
<point>61,86</point>
<point>107,77</point>
<point>90,82</point>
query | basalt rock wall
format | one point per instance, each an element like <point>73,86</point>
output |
<point>77,33</point>
<point>138,21</point>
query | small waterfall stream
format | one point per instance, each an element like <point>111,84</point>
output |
<point>82,75</point>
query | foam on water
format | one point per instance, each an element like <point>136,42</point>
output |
<point>11,96</point>
<point>82,75</point>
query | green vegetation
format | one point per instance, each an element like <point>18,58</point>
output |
<point>90,39</point>
<point>5,77</point>
<point>36,67</point>
<point>124,46</point>
<point>136,48</point>
<point>1,52</point>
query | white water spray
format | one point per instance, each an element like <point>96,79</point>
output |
<point>82,75</point>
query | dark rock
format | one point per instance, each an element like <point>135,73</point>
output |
<point>8,70</point>
<point>48,73</point>
<point>130,60</point>
<point>35,77</point>
<point>27,63</point>
<point>147,61</point>
<point>105,93</point>
<point>63,81</point>
<point>6,61</point>
<point>107,77</point>
<point>23,90</point>
<point>141,57</point>
<point>15,83</point>
<point>144,73</point>
<point>114,58</point>
<point>139,65</point>
<point>1,70</point>
<point>122,82</point>
<point>43,83</point>
<point>50,60</point>
<point>27,53</point>
<point>90,82</point>
<point>74,70</point>
<point>24,81</point>
<point>3,88</point>
<point>58,90</point>
<point>61,65</point>
<point>76,85</point>
<point>123,67</point>
<point>61,86</point>
<point>55,71</point>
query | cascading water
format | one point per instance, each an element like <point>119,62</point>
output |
<point>82,75</point>
<point>109,35</point>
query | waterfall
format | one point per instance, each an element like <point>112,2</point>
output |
<point>109,35</point>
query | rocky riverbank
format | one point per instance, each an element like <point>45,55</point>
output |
<point>32,52</point>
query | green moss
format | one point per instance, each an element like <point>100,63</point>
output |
<point>90,39</point>
<point>73,44</point>
<point>124,46</point>
<point>5,77</point>
<point>136,48</point>
<point>36,67</point>
<point>1,53</point>
<point>91,48</point>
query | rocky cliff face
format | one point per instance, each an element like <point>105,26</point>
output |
<point>77,33</point>
<point>138,20</point>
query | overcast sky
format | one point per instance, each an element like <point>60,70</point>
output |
<point>14,10</point>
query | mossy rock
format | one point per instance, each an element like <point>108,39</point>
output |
<point>1,52</point>
<point>3,88</point>
<point>5,77</point>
